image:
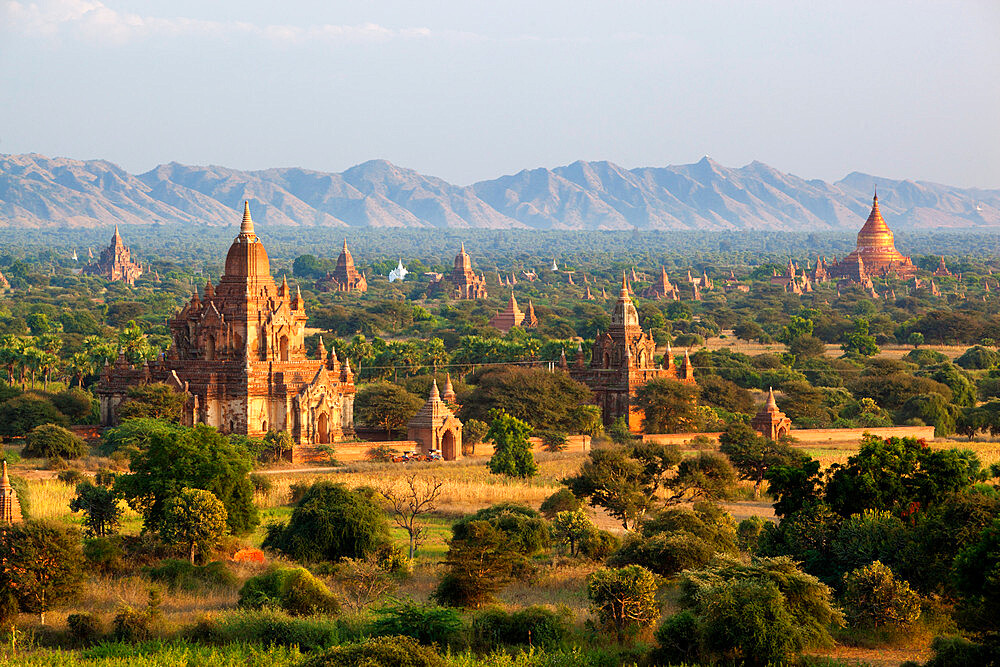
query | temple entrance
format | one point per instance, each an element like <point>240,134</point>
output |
<point>210,348</point>
<point>283,348</point>
<point>323,429</point>
<point>448,452</point>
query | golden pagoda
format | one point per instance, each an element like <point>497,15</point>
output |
<point>875,255</point>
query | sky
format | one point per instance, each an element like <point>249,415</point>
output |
<point>469,90</point>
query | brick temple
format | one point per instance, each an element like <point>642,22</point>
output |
<point>622,360</point>
<point>345,277</point>
<point>238,355</point>
<point>513,316</point>
<point>462,282</point>
<point>875,256</point>
<point>115,262</point>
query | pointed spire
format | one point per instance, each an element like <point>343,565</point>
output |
<point>246,227</point>
<point>771,403</point>
<point>321,349</point>
<point>5,481</point>
<point>624,290</point>
<point>462,251</point>
<point>435,394</point>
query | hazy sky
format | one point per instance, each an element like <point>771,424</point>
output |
<point>469,90</point>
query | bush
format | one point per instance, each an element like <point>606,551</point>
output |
<point>429,624</point>
<point>21,414</point>
<point>182,575</point>
<point>562,500</point>
<point>261,483</point>
<point>866,537</point>
<point>85,628</point>
<point>552,440</point>
<point>269,627</point>
<point>599,544</point>
<point>133,625</point>
<point>960,652</point>
<point>378,652</point>
<point>535,626</point>
<point>527,531</point>
<point>331,522</point>
<point>51,441</point>
<point>748,533</point>
<point>380,454</point>
<point>71,477</point>
<point>624,598</point>
<point>295,590</point>
<point>76,404</point>
<point>479,563</point>
<point>874,598</point>
<point>678,539</point>
<point>677,639</point>
<point>104,554</point>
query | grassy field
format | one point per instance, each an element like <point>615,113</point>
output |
<point>468,486</point>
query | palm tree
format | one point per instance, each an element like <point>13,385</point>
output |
<point>80,365</point>
<point>133,341</point>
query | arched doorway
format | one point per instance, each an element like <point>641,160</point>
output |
<point>323,429</point>
<point>448,452</point>
<point>283,348</point>
<point>210,348</point>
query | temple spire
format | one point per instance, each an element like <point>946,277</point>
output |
<point>246,227</point>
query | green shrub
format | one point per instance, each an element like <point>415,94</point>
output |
<point>76,404</point>
<point>748,533</point>
<point>21,414</point>
<point>261,483</point>
<point>294,590</point>
<point>104,554</point>
<point>624,598</point>
<point>378,652</point>
<point>960,652</point>
<point>11,457</point>
<point>182,575</point>
<point>380,454</point>
<point>677,639</point>
<point>866,537</point>
<point>85,628</point>
<point>134,625</point>
<point>269,627</point>
<point>535,626</point>
<point>599,544</point>
<point>52,441</point>
<point>874,597</point>
<point>552,440</point>
<point>562,500</point>
<point>331,522</point>
<point>427,623</point>
<point>479,563</point>
<point>525,529</point>
<point>71,477</point>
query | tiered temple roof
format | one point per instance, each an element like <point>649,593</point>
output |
<point>345,278</point>
<point>115,262</point>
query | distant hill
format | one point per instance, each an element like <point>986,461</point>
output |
<point>38,191</point>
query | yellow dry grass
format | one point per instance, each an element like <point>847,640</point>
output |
<point>50,498</point>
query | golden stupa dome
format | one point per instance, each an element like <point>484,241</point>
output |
<point>875,233</point>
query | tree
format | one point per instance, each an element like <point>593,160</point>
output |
<point>39,568</point>
<point>718,392</point>
<point>153,401</point>
<point>562,500</point>
<point>76,404</point>
<point>899,475</point>
<point>677,539</point>
<point>479,564</point>
<point>386,406</point>
<point>933,410</point>
<point>51,441</point>
<point>535,396</point>
<point>807,347</point>
<point>976,575</point>
<point>525,528</point>
<point>859,341</point>
<point>99,505</point>
<point>196,518</point>
<point>196,458</point>
<point>752,454</point>
<point>415,499</point>
<point>624,598</point>
<point>473,432</point>
<point>511,450</point>
<point>570,527</point>
<point>23,413</point>
<point>668,405</point>
<point>916,339</point>
<point>332,522</point>
<point>874,597</point>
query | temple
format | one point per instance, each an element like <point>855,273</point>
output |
<point>769,421</point>
<point>238,355</point>
<point>875,256</point>
<point>435,427</point>
<point>10,506</point>
<point>662,288</point>
<point>465,284</point>
<point>513,316</point>
<point>622,360</point>
<point>115,262</point>
<point>345,278</point>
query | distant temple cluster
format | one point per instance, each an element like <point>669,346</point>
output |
<point>622,360</point>
<point>115,262</point>
<point>238,355</point>
<point>345,278</point>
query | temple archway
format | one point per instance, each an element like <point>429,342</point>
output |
<point>323,429</point>
<point>607,360</point>
<point>448,449</point>
<point>283,348</point>
<point>210,348</point>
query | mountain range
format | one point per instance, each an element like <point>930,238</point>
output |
<point>38,191</point>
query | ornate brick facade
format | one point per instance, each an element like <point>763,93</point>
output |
<point>622,361</point>
<point>436,427</point>
<point>513,316</point>
<point>115,262</point>
<point>10,506</point>
<point>238,354</point>
<point>769,421</point>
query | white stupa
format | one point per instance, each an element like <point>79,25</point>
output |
<point>555,267</point>
<point>399,273</point>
